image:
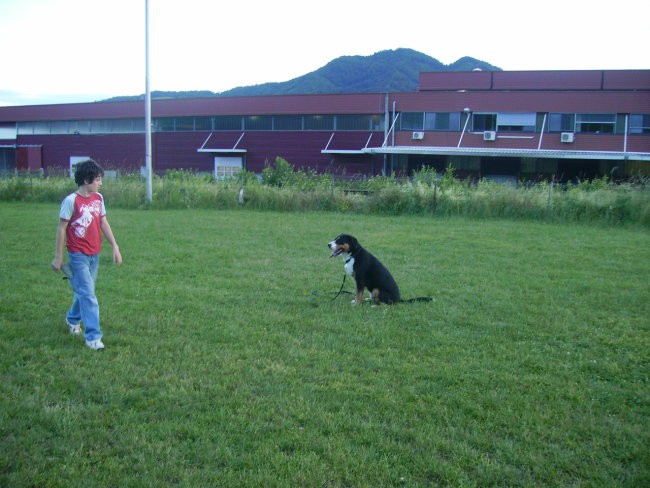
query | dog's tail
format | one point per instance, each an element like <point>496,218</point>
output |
<point>417,299</point>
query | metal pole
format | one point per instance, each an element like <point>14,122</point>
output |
<point>392,156</point>
<point>541,134</point>
<point>468,113</point>
<point>147,103</point>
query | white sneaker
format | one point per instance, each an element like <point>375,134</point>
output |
<point>96,345</point>
<point>74,328</point>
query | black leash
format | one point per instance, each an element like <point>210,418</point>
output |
<point>410,300</point>
<point>345,275</point>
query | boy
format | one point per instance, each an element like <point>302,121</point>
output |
<point>82,221</point>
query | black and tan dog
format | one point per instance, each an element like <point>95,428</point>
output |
<point>367,271</point>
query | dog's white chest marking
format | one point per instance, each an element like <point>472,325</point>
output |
<point>349,265</point>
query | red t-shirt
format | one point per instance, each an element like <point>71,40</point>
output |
<point>84,216</point>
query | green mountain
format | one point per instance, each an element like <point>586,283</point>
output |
<point>386,71</point>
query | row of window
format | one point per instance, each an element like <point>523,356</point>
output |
<point>226,122</point>
<point>528,122</point>
<point>415,121</point>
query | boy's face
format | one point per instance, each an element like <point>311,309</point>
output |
<point>94,185</point>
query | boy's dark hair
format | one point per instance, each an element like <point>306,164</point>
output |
<point>87,171</point>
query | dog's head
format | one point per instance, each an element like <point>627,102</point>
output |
<point>344,243</point>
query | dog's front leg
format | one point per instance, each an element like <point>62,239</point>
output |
<point>358,298</point>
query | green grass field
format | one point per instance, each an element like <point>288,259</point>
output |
<point>227,363</point>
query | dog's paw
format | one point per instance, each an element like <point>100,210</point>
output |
<point>354,302</point>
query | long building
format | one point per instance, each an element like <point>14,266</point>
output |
<point>503,125</point>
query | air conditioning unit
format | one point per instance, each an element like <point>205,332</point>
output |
<point>489,135</point>
<point>566,137</point>
<point>418,136</point>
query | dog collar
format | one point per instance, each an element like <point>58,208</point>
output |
<point>351,257</point>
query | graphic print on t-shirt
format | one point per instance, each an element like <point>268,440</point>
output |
<point>88,213</point>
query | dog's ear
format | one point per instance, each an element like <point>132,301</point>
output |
<point>354,244</point>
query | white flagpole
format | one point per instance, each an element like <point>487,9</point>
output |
<point>147,102</point>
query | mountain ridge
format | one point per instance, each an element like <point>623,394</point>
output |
<point>395,70</point>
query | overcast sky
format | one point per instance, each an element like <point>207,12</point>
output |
<point>58,51</point>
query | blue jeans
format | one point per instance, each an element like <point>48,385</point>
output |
<point>85,307</point>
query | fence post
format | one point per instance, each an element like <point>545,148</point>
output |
<point>435,195</point>
<point>549,202</point>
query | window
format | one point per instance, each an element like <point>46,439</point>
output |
<point>202,123</point>
<point>258,122</point>
<point>122,125</point>
<point>138,125</point>
<point>100,126</point>
<point>25,128</point>
<point>596,123</point>
<point>228,122</point>
<point>483,122</point>
<point>442,121</point>
<point>169,124</point>
<point>225,172</point>
<point>127,125</point>
<point>164,124</point>
<point>59,127</point>
<point>95,126</point>
<point>79,127</point>
<point>287,122</point>
<point>7,131</point>
<point>412,121</point>
<point>184,123</point>
<point>359,122</point>
<point>516,122</point>
<point>319,122</point>
<point>353,122</point>
<point>639,124</point>
<point>561,123</point>
<point>376,122</point>
<point>41,127</point>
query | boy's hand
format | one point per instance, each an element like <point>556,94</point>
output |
<point>117,257</point>
<point>56,264</point>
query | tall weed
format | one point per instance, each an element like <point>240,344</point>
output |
<point>282,188</point>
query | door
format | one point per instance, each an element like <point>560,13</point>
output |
<point>227,166</point>
<point>74,160</point>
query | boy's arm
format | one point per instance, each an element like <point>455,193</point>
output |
<point>106,229</point>
<point>60,239</point>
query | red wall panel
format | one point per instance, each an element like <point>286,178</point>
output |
<point>547,80</point>
<point>627,80</point>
